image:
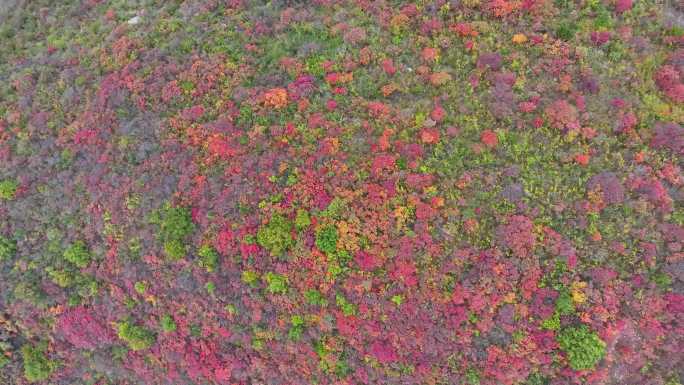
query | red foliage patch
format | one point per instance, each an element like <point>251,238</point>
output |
<point>80,327</point>
<point>517,234</point>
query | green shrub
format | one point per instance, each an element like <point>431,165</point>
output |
<point>564,304</point>
<point>326,239</point>
<point>175,225</point>
<point>36,365</point>
<point>8,189</point>
<point>211,287</point>
<point>61,278</point>
<point>167,324</point>
<point>334,208</point>
<point>583,347</point>
<point>276,283</point>
<point>208,258</point>
<point>347,307</point>
<point>31,292</point>
<point>302,221</point>
<point>175,249</point>
<point>536,379</point>
<point>295,332</point>
<point>137,337</point>
<point>8,248</point>
<point>275,235</point>
<point>78,254</point>
<point>250,277</point>
<point>552,323</point>
<point>140,287</point>
<point>314,297</point>
<point>3,360</point>
<point>566,30</point>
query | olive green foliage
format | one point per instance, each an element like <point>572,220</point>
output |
<point>552,323</point>
<point>140,287</point>
<point>583,347</point>
<point>78,254</point>
<point>314,297</point>
<point>8,189</point>
<point>175,225</point>
<point>208,258</point>
<point>137,337</point>
<point>334,208</point>
<point>276,283</point>
<point>347,307</point>
<point>211,287</point>
<point>326,239</point>
<point>297,328</point>
<point>30,292</point>
<point>250,277</point>
<point>8,248</point>
<point>566,30</point>
<point>302,220</point>
<point>564,305</point>
<point>37,367</point>
<point>62,278</point>
<point>167,324</point>
<point>536,379</point>
<point>275,235</point>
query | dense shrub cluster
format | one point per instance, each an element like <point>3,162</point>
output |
<point>582,346</point>
<point>175,225</point>
<point>36,365</point>
<point>275,236</point>
<point>135,336</point>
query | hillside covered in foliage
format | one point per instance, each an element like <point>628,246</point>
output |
<point>349,192</point>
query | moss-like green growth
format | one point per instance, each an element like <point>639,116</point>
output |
<point>564,304</point>
<point>168,325</point>
<point>326,239</point>
<point>211,287</point>
<point>8,189</point>
<point>275,235</point>
<point>8,248</point>
<point>302,220</point>
<point>250,277</point>
<point>314,297</point>
<point>208,258</point>
<point>295,332</point>
<point>276,283</point>
<point>37,367</point>
<point>347,307</point>
<point>551,323</point>
<point>566,30</point>
<point>334,208</point>
<point>175,249</point>
<point>583,347</point>
<point>61,278</point>
<point>30,292</point>
<point>137,337</point>
<point>140,287</point>
<point>78,254</point>
<point>175,225</point>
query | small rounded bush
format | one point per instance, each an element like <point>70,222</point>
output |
<point>77,254</point>
<point>36,365</point>
<point>8,189</point>
<point>137,337</point>
<point>8,248</point>
<point>326,239</point>
<point>275,235</point>
<point>583,347</point>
